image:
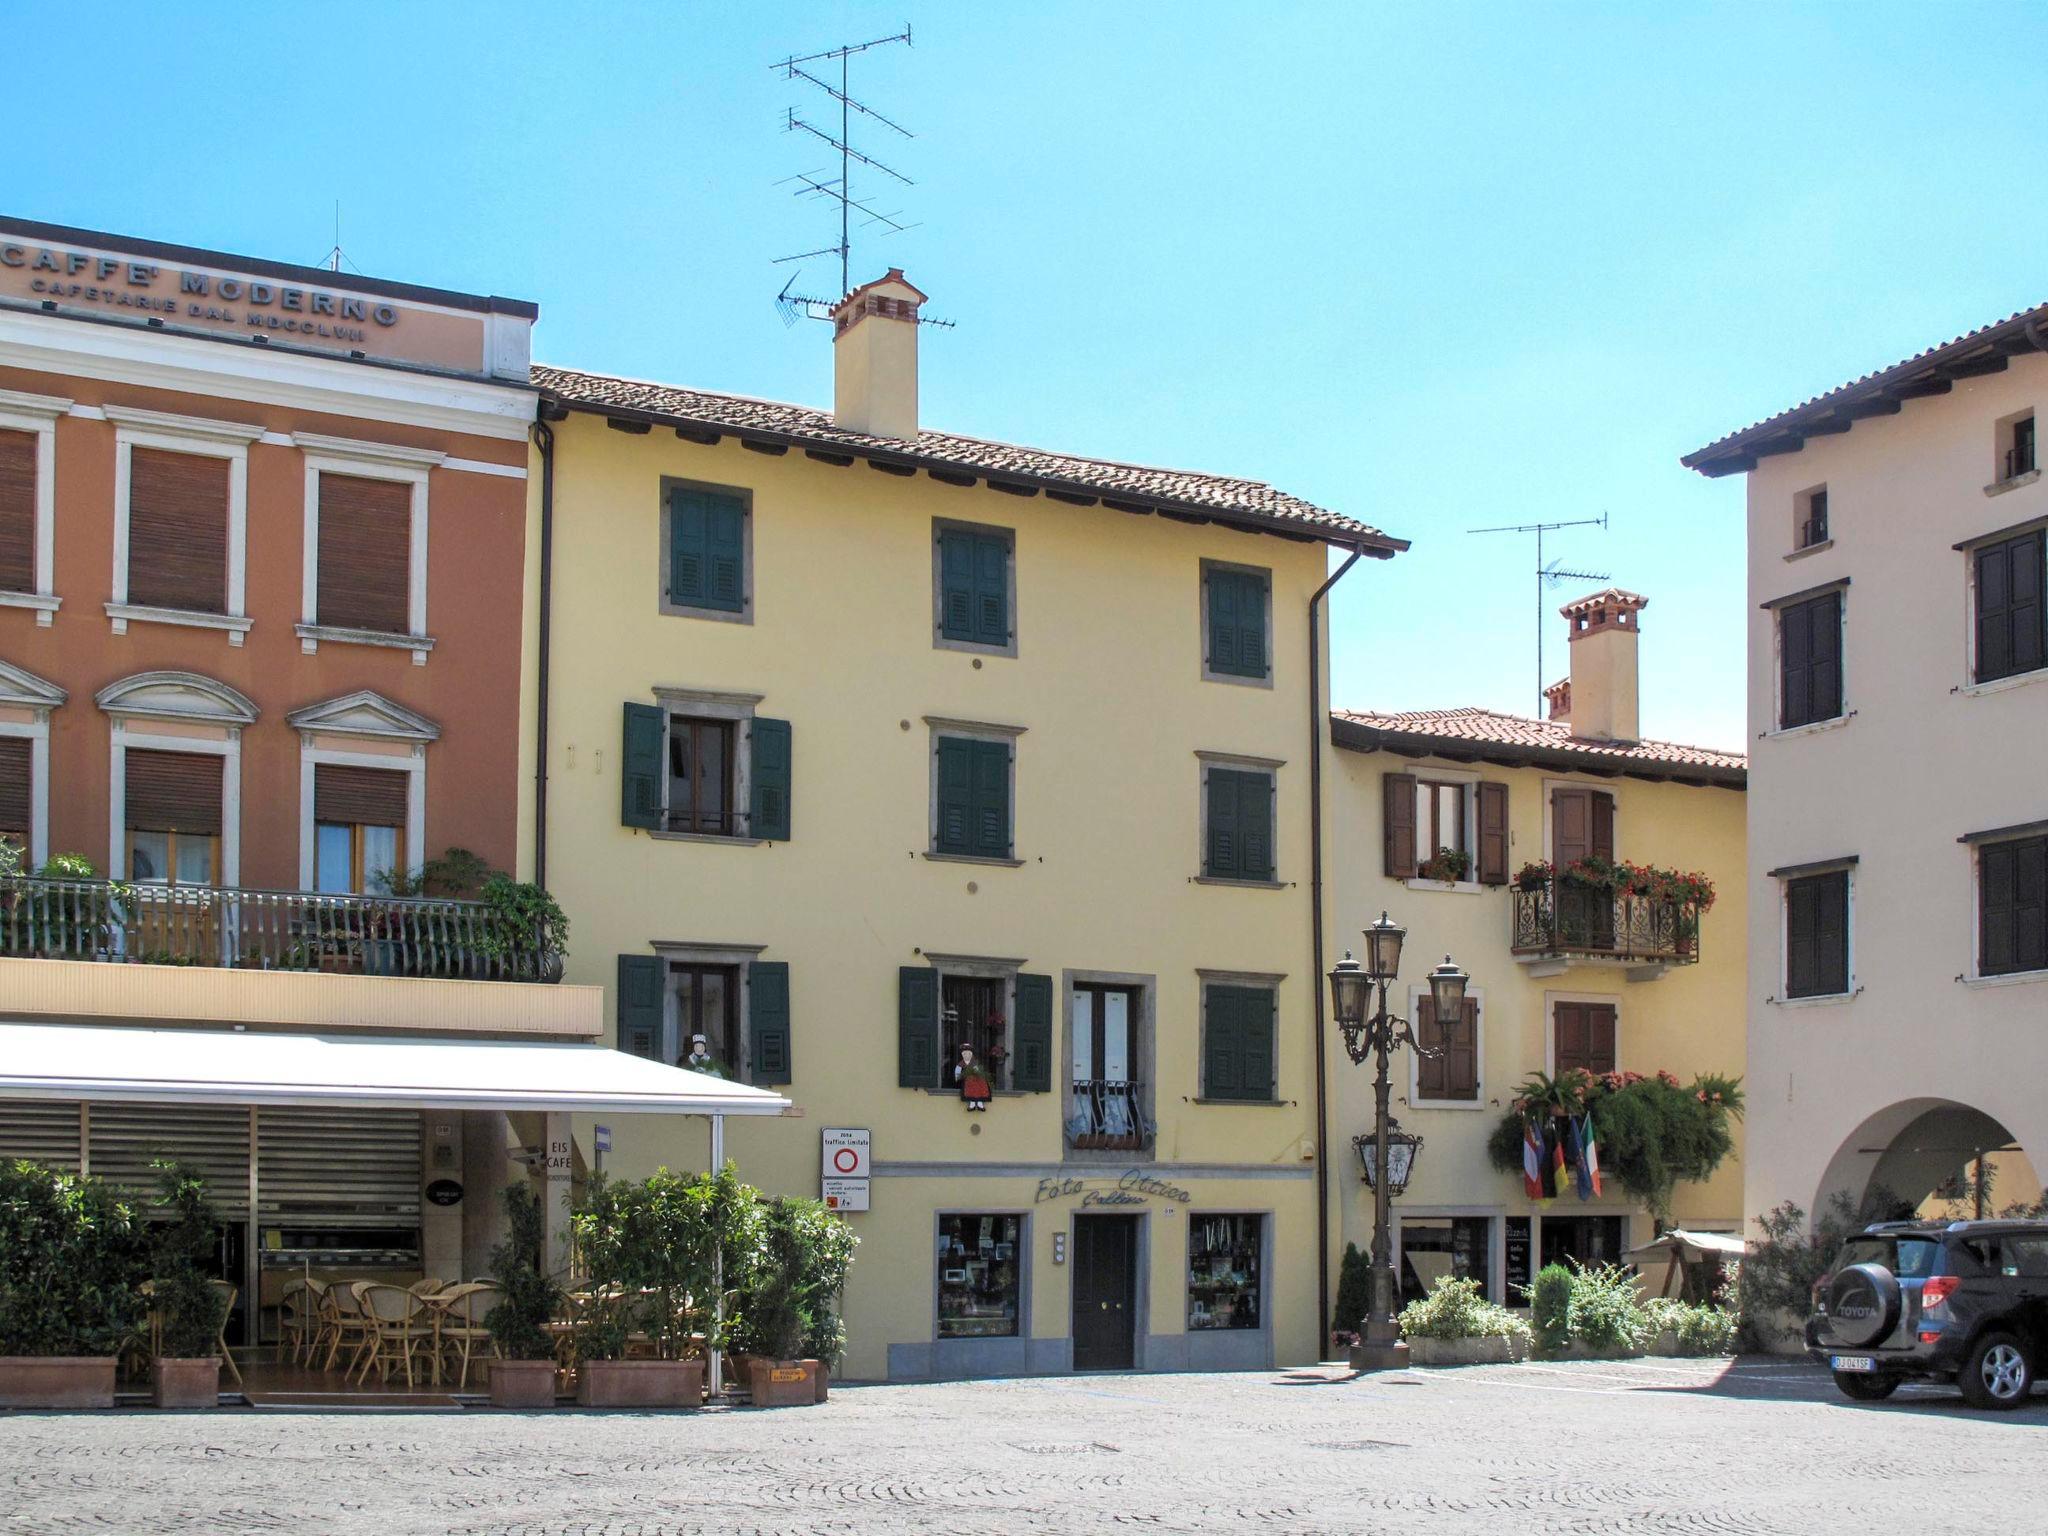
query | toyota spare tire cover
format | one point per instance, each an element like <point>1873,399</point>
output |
<point>1863,1304</point>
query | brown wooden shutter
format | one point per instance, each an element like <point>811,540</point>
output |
<point>1600,1036</point>
<point>1397,799</point>
<point>1493,834</point>
<point>365,556</point>
<point>16,799</point>
<point>1584,1038</point>
<point>370,797</point>
<point>174,792</point>
<point>1461,1055</point>
<point>17,511</point>
<point>1571,825</point>
<point>1430,1075</point>
<point>1603,825</point>
<point>178,531</point>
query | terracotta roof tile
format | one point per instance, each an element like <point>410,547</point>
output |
<point>1225,497</point>
<point>1486,726</point>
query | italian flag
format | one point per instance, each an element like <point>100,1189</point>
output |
<point>1589,1157</point>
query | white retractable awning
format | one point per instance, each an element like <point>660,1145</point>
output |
<point>207,1066</point>
<point>1694,1246</point>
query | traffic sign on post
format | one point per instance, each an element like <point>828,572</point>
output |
<point>845,1153</point>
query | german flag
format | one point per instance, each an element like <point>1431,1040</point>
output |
<point>1560,1170</point>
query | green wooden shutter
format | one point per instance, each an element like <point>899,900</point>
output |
<point>1256,1037</point>
<point>1031,1069</point>
<point>974,587</point>
<point>1222,1052</point>
<point>991,590</point>
<point>917,1027</point>
<point>1237,623</point>
<point>955,817</point>
<point>771,770</point>
<point>956,584</point>
<point>640,790</point>
<point>725,549</point>
<point>1255,826</point>
<point>1220,842</point>
<point>640,1005</point>
<point>991,798</point>
<point>1251,625</point>
<point>688,560</point>
<point>768,1020</point>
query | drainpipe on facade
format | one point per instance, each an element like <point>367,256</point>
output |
<point>1318,726</point>
<point>544,436</point>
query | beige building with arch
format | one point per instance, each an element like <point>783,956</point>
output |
<point>1898,841</point>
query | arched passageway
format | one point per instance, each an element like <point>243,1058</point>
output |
<point>1929,1157</point>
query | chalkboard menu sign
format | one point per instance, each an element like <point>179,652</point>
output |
<point>1519,1274</point>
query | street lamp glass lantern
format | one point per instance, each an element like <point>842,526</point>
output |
<point>1383,948</point>
<point>1402,1149</point>
<point>1447,990</point>
<point>1349,985</point>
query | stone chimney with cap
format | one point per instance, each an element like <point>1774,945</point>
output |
<point>874,358</point>
<point>1599,699</point>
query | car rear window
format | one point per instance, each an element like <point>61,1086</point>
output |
<point>1910,1258</point>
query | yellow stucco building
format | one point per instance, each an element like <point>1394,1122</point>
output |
<point>863,744</point>
<point>1433,817</point>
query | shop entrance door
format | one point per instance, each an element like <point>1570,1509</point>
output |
<point>1105,1292</point>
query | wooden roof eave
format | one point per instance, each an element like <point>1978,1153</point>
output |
<point>1356,737</point>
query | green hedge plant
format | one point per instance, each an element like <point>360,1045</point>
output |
<point>1550,1307</point>
<point>192,1309</point>
<point>528,1298</point>
<point>791,1306</point>
<point>1458,1309</point>
<point>72,1253</point>
<point>1606,1308</point>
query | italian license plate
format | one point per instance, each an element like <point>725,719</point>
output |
<point>1851,1363</point>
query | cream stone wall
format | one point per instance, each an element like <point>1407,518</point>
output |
<point>1688,1020</point>
<point>1921,759</point>
<point>1107,687</point>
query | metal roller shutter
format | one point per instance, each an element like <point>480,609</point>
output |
<point>212,1139</point>
<point>42,1131</point>
<point>338,1162</point>
<point>177,530</point>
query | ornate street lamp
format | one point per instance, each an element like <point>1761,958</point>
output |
<point>1370,1031</point>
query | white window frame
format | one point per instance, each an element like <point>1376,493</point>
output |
<point>1973,973</point>
<point>23,690</point>
<point>202,437</point>
<point>1968,549</point>
<point>37,415</point>
<point>369,461</point>
<point>1416,994</point>
<point>325,728</point>
<point>1550,1002</point>
<point>1784,999</point>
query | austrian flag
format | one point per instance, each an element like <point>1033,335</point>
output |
<point>1532,1161</point>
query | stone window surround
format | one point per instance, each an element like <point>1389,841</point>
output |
<point>942,525</point>
<point>208,438</point>
<point>986,968</point>
<point>745,496</point>
<point>320,726</point>
<point>231,714</point>
<point>938,726</point>
<point>1270,766</point>
<point>738,709</point>
<point>37,415</point>
<point>741,958</point>
<point>1265,574</point>
<point>1270,981</point>
<point>369,461</point>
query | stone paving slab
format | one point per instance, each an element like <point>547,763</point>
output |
<point>1751,1446</point>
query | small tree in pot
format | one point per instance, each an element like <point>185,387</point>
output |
<point>528,1301</point>
<point>805,1259</point>
<point>191,1309</point>
<point>72,1253</point>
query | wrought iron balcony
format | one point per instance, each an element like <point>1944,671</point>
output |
<point>1109,1116</point>
<point>114,921</point>
<point>1564,917</point>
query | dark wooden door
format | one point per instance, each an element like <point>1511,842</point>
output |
<point>1105,1292</point>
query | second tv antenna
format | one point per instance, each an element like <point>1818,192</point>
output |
<point>839,189</point>
<point>1549,576</point>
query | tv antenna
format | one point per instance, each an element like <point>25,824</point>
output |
<point>336,256</point>
<point>838,189</point>
<point>1547,576</point>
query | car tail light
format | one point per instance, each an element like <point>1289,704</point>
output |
<point>1934,1293</point>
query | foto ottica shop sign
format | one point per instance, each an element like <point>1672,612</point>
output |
<point>1133,1187</point>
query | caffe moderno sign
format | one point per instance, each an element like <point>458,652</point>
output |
<point>1133,1187</point>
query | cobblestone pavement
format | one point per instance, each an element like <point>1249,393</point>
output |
<point>1645,1446</point>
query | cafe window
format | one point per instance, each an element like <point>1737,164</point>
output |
<point>1436,1248</point>
<point>979,1269</point>
<point>1226,1259</point>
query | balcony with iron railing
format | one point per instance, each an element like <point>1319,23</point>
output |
<point>1565,919</point>
<point>1108,1115</point>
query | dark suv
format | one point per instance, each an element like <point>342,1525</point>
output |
<point>1961,1301</point>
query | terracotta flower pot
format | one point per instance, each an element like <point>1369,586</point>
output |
<point>824,1380</point>
<point>522,1383</point>
<point>187,1383</point>
<point>640,1383</point>
<point>56,1381</point>
<point>786,1383</point>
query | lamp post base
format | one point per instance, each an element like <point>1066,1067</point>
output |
<point>1379,1355</point>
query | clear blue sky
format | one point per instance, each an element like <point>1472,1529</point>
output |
<point>1436,266</point>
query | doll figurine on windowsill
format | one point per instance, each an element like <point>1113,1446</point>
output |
<point>701,1060</point>
<point>975,1088</point>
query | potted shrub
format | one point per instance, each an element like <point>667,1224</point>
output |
<point>72,1252</point>
<point>1456,1325</point>
<point>1550,1308</point>
<point>1354,1299</point>
<point>528,1301</point>
<point>524,929</point>
<point>191,1309</point>
<point>1446,864</point>
<point>805,1256</point>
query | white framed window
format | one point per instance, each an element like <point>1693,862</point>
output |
<point>33,418</point>
<point>25,704</point>
<point>362,730</point>
<point>366,606</point>
<point>1816,931</point>
<point>2008,904</point>
<point>185,714</point>
<point>1446,819</point>
<point>156,594</point>
<point>1456,1080</point>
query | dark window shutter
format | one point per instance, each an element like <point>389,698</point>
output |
<point>1827,656</point>
<point>1221,841</point>
<point>1397,817</point>
<point>1032,1037</point>
<point>370,797</point>
<point>2012,620</point>
<point>640,1005</point>
<point>1255,825</point>
<point>725,544</point>
<point>1810,660</point>
<point>1831,943</point>
<point>1237,623</point>
<point>770,811</point>
<point>16,793</point>
<point>1599,1037</point>
<point>2013,906</point>
<point>687,558</point>
<point>707,550</point>
<point>2029,607</point>
<point>1461,1059</point>
<point>1493,834</point>
<point>641,764</point>
<point>1994,612</point>
<point>974,600</point>
<point>1260,1074</point>
<point>917,1027</point>
<point>768,1020</point>
<point>1571,826</point>
<point>177,531</point>
<point>365,557</point>
<point>991,589</point>
<point>991,798</point>
<point>174,792</point>
<point>1237,1044</point>
<point>1602,806</point>
<point>17,511</point>
<point>1573,1047</point>
<point>1802,938</point>
<point>955,814</point>
<point>1431,1074</point>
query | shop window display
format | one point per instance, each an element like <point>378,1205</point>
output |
<point>979,1266</point>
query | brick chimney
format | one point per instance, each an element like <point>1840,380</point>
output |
<point>1600,696</point>
<point>874,358</point>
<point>1559,694</point>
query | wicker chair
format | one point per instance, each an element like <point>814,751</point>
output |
<point>228,1293</point>
<point>348,1327</point>
<point>463,1309</point>
<point>400,1324</point>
